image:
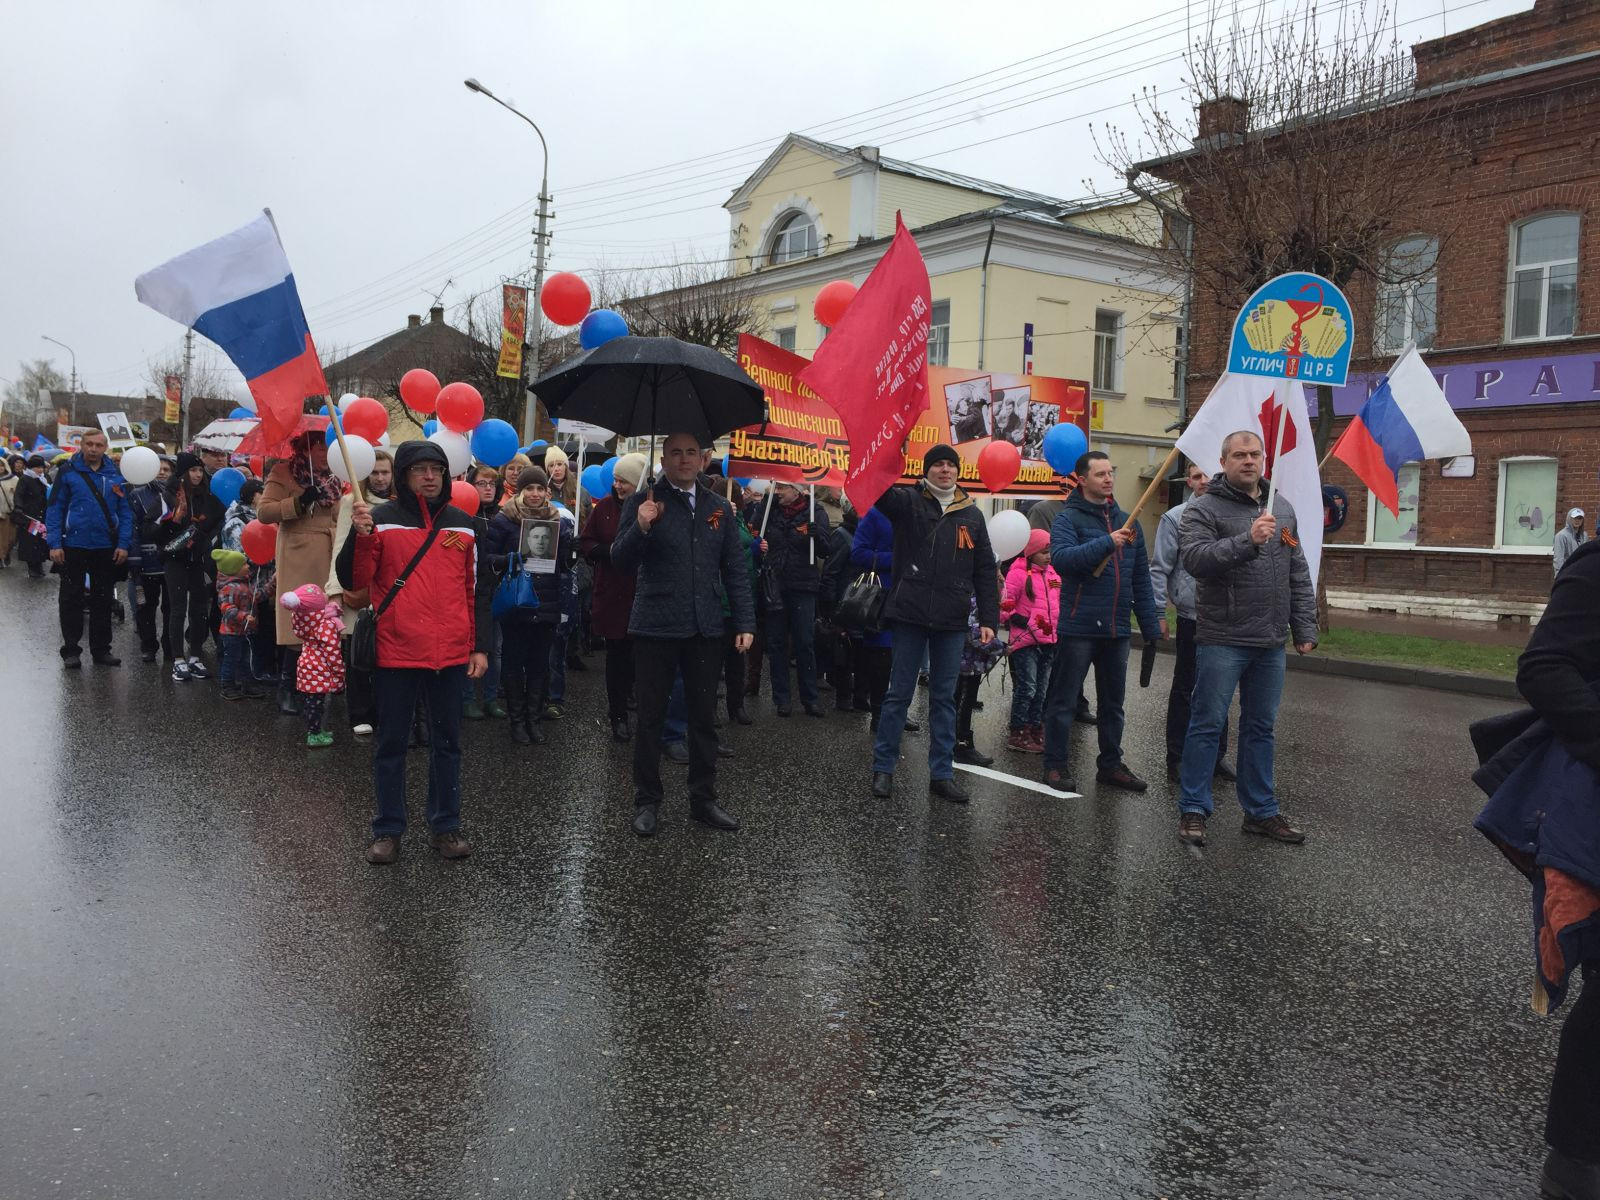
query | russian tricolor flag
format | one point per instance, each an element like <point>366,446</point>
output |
<point>1406,419</point>
<point>239,292</point>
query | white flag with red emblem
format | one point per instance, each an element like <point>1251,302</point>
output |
<point>1250,402</point>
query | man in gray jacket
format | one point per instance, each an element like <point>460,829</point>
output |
<point>1252,588</point>
<point>683,539</point>
<point>1174,585</point>
<point>1568,538</point>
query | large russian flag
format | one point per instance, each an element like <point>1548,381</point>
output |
<point>239,292</point>
<point>1406,419</point>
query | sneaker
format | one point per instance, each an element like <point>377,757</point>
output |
<point>1120,777</point>
<point>198,669</point>
<point>180,671</point>
<point>383,851</point>
<point>1276,827</point>
<point>1021,741</point>
<point>1192,828</point>
<point>231,691</point>
<point>72,662</point>
<point>553,712</point>
<point>318,740</point>
<point>1060,781</point>
<point>451,844</point>
<point>148,656</point>
<point>1036,738</point>
<point>361,730</point>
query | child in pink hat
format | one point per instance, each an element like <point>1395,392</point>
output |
<point>321,666</point>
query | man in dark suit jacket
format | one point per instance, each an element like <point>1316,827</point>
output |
<point>683,540</point>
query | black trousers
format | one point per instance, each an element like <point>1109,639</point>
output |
<point>872,676</point>
<point>656,662</point>
<point>1183,677</point>
<point>733,672</point>
<point>101,574</point>
<point>359,704</point>
<point>150,603</point>
<point>1573,1121</point>
<point>189,595</point>
<point>525,665</point>
<point>619,676</point>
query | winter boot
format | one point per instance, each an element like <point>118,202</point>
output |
<point>288,698</point>
<point>966,696</point>
<point>516,698</point>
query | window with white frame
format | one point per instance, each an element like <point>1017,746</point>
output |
<point>796,238</point>
<point>1526,514</point>
<point>1408,295</point>
<point>939,334</point>
<point>784,337</point>
<point>1386,529</point>
<point>1542,292</point>
<point>1107,351</point>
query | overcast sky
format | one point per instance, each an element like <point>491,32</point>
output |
<point>134,130</point>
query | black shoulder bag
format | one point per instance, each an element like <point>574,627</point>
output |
<point>364,637</point>
<point>111,526</point>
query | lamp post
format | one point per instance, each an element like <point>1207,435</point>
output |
<point>529,412</point>
<point>72,408</point>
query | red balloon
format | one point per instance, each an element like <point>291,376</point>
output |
<point>259,542</point>
<point>460,407</point>
<point>419,389</point>
<point>832,300</point>
<point>464,496</point>
<point>565,298</point>
<point>998,464</point>
<point>258,466</point>
<point>365,418</point>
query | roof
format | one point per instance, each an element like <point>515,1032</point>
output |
<point>426,342</point>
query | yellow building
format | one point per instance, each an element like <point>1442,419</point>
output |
<point>999,259</point>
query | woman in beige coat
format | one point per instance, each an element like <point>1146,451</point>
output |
<point>302,499</point>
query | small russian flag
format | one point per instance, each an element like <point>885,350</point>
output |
<point>1406,419</point>
<point>238,291</point>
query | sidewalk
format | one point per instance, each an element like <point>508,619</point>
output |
<point>1481,633</point>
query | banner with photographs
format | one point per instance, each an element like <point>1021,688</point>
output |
<point>513,330</point>
<point>118,429</point>
<point>538,543</point>
<point>174,409</point>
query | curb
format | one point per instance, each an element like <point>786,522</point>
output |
<point>1399,673</point>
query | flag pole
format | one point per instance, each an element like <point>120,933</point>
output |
<point>811,519</point>
<point>765,513</point>
<point>1160,478</point>
<point>338,434</point>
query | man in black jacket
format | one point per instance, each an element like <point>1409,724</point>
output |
<point>682,539</point>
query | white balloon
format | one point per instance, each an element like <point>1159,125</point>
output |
<point>249,402</point>
<point>346,400</point>
<point>384,440</point>
<point>758,487</point>
<point>140,465</point>
<point>361,459</point>
<point>456,448</point>
<point>1008,534</point>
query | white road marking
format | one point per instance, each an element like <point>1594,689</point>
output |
<point>1016,781</point>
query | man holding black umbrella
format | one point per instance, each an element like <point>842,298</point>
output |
<point>683,540</point>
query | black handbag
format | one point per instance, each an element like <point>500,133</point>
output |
<point>364,637</point>
<point>861,609</point>
<point>770,588</point>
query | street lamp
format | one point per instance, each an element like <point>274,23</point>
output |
<point>528,410</point>
<point>72,408</point>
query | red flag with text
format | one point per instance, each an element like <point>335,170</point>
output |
<point>872,368</point>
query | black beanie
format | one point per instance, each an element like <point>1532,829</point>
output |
<point>940,453</point>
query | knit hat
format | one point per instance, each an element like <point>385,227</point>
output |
<point>553,455</point>
<point>308,597</point>
<point>530,476</point>
<point>629,467</point>
<point>186,460</point>
<point>1038,540</point>
<point>940,453</point>
<point>229,562</point>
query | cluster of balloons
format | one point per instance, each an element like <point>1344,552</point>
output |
<point>566,300</point>
<point>458,426</point>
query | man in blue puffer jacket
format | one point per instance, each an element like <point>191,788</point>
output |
<point>90,530</point>
<point>1096,626</point>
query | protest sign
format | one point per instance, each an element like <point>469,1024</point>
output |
<point>802,440</point>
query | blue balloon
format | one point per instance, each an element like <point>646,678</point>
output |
<point>494,442</point>
<point>430,427</point>
<point>241,414</point>
<point>329,435</point>
<point>745,482</point>
<point>537,444</point>
<point>590,479</point>
<point>1063,445</point>
<point>600,327</point>
<point>608,475</point>
<point>225,484</point>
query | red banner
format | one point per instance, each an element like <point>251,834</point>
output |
<point>802,440</point>
<point>513,330</point>
<point>873,367</point>
<point>174,409</point>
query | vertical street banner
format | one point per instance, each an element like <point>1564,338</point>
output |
<point>802,440</point>
<point>513,330</point>
<point>174,408</point>
<point>873,367</point>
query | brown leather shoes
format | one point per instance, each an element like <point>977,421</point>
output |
<point>383,851</point>
<point>451,844</point>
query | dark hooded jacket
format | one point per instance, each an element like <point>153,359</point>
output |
<point>192,537</point>
<point>942,560</point>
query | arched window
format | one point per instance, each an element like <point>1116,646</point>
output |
<point>1543,288</point>
<point>1408,295</point>
<point>796,238</point>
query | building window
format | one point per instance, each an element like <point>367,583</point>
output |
<point>1383,527</point>
<point>1543,290</point>
<point>785,337</point>
<point>939,334</point>
<point>1107,351</point>
<point>1408,295</point>
<point>1526,512</point>
<point>796,238</point>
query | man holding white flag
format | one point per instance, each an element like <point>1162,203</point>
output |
<point>1253,542</point>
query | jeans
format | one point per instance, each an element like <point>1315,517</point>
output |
<point>395,692</point>
<point>942,650</point>
<point>1178,706</point>
<point>1030,678</point>
<point>1257,673</point>
<point>101,573</point>
<point>796,623</point>
<point>1074,657</point>
<point>557,686</point>
<point>188,595</point>
<point>657,661</point>
<point>234,667</point>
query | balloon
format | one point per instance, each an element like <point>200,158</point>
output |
<point>225,484</point>
<point>465,497</point>
<point>998,464</point>
<point>364,417</point>
<point>536,444</point>
<point>742,481</point>
<point>608,476</point>
<point>140,465</point>
<point>494,442</point>
<point>565,298</point>
<point>590,479</point>
<point>430,427</point>
<point>384,440</point>
<point>460,407</point>
<point>258,466</point>
<point>1008,534</point>
<point>599,327</point>
<point>758,487</point>
<point>361,459</point>
<point>248,404</point>
<point>832,300</point>
<point>330,435</point>
<point>346,400</point>
<point>241,414</point>
<point>259,542</point>
<point>1064,444</point>
<point>419,389</point>
<point>456,449</point>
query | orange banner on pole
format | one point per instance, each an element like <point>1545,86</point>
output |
<point>174,408</point>
<point>513,330</point>
<point>802,440</point>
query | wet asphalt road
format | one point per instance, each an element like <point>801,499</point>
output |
<point>204,992</point>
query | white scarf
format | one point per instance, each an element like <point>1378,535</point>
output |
<point>945,496</point>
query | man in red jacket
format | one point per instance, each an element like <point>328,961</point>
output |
<point>432,637</point>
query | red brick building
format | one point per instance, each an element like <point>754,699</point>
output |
<point>1508,319</point>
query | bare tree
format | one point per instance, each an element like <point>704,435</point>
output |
<point>695,302</point>
<point>213,392</point>
<point>22,407</point>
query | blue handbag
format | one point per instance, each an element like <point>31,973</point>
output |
<point>515,592</point>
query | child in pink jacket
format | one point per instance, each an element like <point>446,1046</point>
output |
<point>320,668</point>
<point>1030,608</point>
